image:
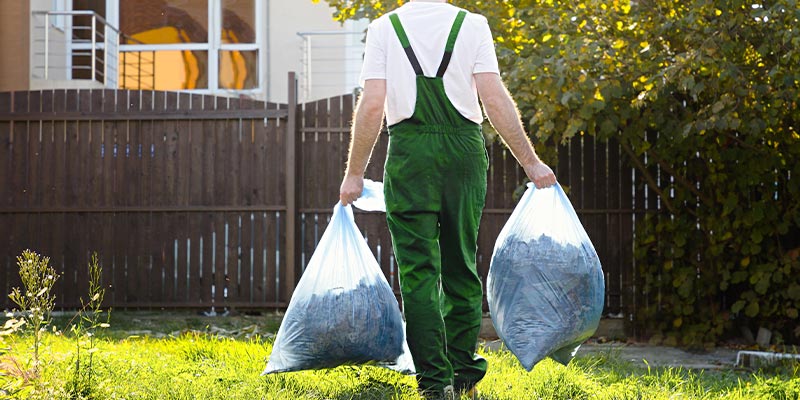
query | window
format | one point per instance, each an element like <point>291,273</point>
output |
<point>190,45</point>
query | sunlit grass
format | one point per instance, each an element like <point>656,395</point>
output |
<point>202,366</point>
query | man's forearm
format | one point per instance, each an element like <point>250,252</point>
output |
<point>366,126</point>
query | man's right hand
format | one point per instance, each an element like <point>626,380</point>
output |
<point>352,186</point>
<point>540,174</point>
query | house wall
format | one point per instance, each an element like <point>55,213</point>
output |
<point>14,45</point>
<point>57,60</point>
<point>284,50</point>
<point>285,18</point>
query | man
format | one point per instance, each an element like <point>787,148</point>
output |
<point>426,63</point>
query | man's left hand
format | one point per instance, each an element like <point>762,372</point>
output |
<point>541,175</point>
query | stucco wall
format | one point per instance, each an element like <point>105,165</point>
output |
<point>57,47</point>
<point>14,45</point>
<point>285,19</point>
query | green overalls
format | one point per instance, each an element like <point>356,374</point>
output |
<point>435,188</point>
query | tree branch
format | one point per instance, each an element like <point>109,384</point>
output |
<point>692,188</point>
<point>649,178</point>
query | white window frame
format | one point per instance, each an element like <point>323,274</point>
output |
<point>213,46</point>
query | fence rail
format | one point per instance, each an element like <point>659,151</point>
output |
<point>203,201</point>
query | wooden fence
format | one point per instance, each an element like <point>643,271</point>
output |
<point>202,201</point>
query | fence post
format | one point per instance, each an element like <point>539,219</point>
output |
<point>291,188</point>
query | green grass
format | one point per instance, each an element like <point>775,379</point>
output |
<point>191,364</point>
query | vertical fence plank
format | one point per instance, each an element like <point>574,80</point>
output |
<point>222,158</point>
<point>245,271</point>
<point>496,170</point>
<point>19,182</point>
<point>589,182</point>
<point>158,197</point>
<point>74,271</point>
<point>6,256</point>
<point>172,239</point>
<point>95,172</point>
<point>208,137</point>
<point>246,158</point>
<point>56,251</point>
<point>334,152</point>
<point>563,167</point>
<point>181,220</point>
<point>196,142</point>
<point>601,218</point>
<point>261,178</point>
<point>34,146</point>
<point>78,134</point>
<point>257,196</point>
<point>614,190</point>
<point>149,185</point>
<point>195,231</point>
<point>211,153</point>
<point>241,168</point>
<point>274,250</point>
<point>258,258</point>
<point>133,161</point>
<point>206,260</point>
<point>275,186</point>
<point>127,172</point>
<point>576,171</point>
<point>290,266</point>
<point>220,258</point>
<point>223,227</point>
<point>305,197</point>
<point>93,182</point>
<point>627,267</point>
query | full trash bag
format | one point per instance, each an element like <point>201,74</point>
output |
<point>545,286</point>
<point>342,311</point>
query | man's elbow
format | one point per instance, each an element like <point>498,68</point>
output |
<point>491,105</point>
<point>372,98</point>
<point>371,105</point>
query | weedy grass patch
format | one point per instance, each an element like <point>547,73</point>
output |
<point>159,356</point>
<point>204,366</point>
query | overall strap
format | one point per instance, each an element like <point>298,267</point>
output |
<point>401,34</point>
<point>451,42</point>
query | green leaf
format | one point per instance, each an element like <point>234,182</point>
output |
<point>718,106</point>
<point>752,309</point>
<point>793,292</point>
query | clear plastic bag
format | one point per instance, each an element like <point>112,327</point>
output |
<point>342,311</point>
<point>545,286</point>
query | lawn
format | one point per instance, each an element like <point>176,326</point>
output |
<point>174,356</point>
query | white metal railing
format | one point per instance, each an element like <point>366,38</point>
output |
<point>63,40</point>
<point>331,62</point>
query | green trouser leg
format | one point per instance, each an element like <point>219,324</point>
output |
<point>435,190</point>
<point>415,237</point>
<point>463,292</point>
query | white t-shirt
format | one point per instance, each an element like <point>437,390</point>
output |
<point>427,25</point>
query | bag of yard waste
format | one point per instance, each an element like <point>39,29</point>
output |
<point>342,311</point>
<point>545,286</point>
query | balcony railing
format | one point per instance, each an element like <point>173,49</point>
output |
<point>82,45</point>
